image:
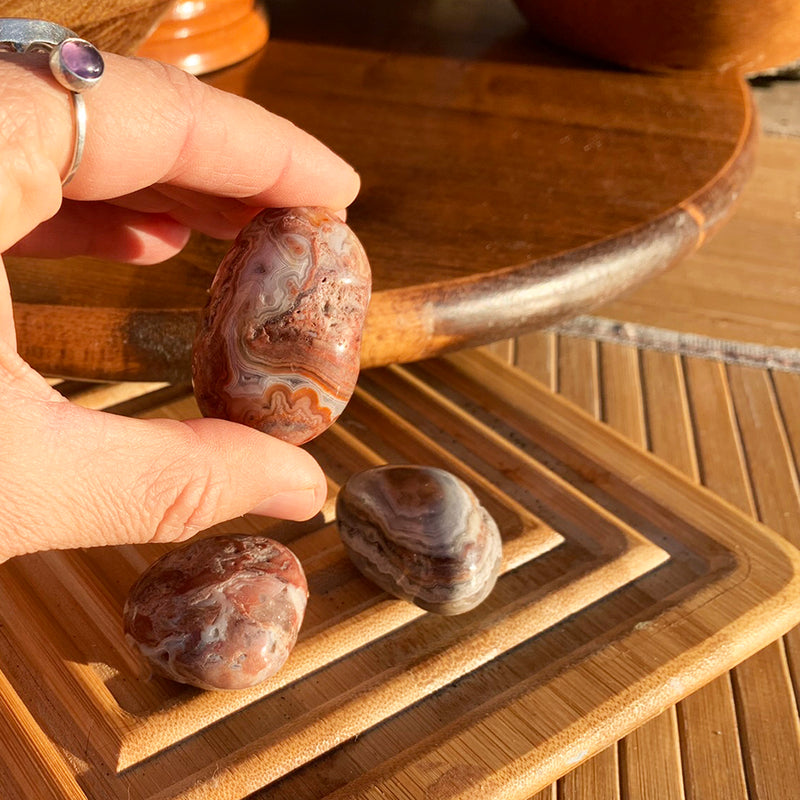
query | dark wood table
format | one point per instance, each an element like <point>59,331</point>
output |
<point>506,185</point>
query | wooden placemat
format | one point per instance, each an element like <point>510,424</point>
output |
<point>625,588</point>
<point>736,430</point>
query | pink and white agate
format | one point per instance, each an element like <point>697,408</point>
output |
<point>279,343</point>
<point>218,613</point>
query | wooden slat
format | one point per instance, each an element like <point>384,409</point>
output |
<point>650,762</point>
<point>719,445</point>
<point>621,392</point>
<point>595,779</point>
<point>787,391</point>
<point>578,373</point>
<point>669,426</point>
<point>536,355</point>
<point>711,750</point>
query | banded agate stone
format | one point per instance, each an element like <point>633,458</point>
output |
<point>279,341</point>
<point>421,534</point>
<point>218,613</point>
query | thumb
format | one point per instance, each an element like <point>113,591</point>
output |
<point>76,477</point>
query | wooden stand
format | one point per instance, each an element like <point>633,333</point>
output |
<point>201,36</point>
<point>505,186</point>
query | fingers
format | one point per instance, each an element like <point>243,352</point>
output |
<point>104,231</point>
<point>73,477</point>
<point>150,123</point>
<point>220,217</point>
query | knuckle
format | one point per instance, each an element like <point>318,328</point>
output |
<point>182,512</point>
<point>187,113</point>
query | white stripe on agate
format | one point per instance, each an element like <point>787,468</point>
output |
<point>409,582</point>
<point>337,238</point>
<point>416,535</point>
<point>285,260</point>
<point>258,385</point>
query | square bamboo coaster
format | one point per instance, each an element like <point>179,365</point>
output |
<point>625,587</point>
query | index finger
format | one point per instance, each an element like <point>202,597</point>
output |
<point>150,123</point>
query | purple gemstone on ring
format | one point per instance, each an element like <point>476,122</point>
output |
<point>82,59</point>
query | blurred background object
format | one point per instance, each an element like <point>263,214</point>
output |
<point>205,35</point>
<point>116,25</point>
<point>201,36</point>
<point>673,34</point>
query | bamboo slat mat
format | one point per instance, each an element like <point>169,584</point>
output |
<point>624,591</point>
<point>737,431</point>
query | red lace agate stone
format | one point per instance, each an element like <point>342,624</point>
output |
<point>218,613</point>
<point>279,343</point>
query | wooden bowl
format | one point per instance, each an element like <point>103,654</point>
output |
<point>747,35</point>
<point>116,25</point>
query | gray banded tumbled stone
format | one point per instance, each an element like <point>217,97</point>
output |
<point>421,534</point>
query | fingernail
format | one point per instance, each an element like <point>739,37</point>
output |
<point>296,505</point>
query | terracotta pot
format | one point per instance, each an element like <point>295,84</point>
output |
<point>751,35</point>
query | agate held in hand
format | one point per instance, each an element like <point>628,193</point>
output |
<point>279,342</point>
<point>218,613</point>
<point>421,534</point>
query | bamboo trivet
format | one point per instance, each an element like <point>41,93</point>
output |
<point>626,588</point>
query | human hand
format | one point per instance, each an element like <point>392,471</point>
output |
<point>164,154</point>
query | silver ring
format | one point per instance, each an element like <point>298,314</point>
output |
<point>75,63</point>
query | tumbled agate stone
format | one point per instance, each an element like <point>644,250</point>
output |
<point>279,342</point>
<point>218,613</point>
<point>420,534</point>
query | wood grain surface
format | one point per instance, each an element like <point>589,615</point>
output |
<point>734,429</point>
<point>625,588</point>
<point>683,34</point>
<point>116,25</point>
<point>505,185</point>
